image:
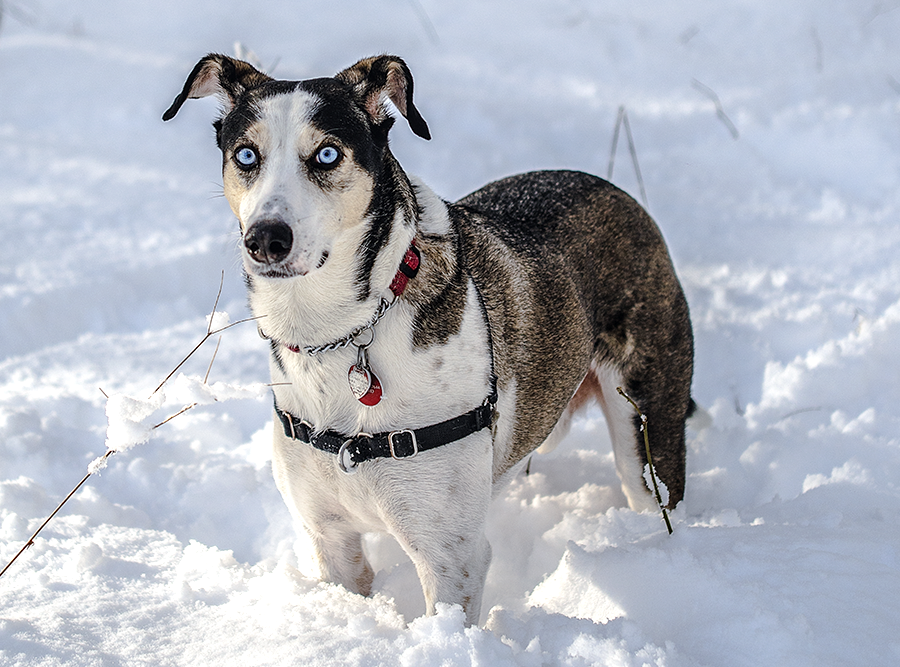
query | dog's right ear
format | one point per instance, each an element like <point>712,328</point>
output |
<point>227,78</point>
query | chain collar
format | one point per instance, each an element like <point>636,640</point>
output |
<point>313,350</point>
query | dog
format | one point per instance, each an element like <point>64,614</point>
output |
<point>421,350</point>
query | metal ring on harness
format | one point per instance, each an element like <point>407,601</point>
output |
<point>345,456</point>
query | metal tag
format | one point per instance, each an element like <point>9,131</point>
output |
<point>364,384</point>
<point>360,381</point>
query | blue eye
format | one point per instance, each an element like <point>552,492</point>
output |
<point>246,157</point>
<point>328,156</point>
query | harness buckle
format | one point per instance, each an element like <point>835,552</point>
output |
<point>401,452</point>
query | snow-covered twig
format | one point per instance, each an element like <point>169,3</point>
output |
<point>644,430</point>
<point>91,470</point>
<point>215,318</point>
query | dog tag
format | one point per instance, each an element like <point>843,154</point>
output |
<point>360,381</point>
<point>364,384</point>
<point>373,396</point>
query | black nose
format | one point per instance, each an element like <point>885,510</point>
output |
<point>268,241</point>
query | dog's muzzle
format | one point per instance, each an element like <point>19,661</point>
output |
<point>268,241</point>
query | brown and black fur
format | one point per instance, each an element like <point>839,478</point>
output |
<point>543,248</point>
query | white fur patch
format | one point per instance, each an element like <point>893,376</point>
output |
<point>620,420</point>
<point>435,219</point>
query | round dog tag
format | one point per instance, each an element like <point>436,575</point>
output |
<point>364,385</point>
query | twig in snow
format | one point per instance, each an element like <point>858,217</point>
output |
<point>720,111</point>
<point>49,518</point>
<point>644,430</point>
<point>209,333</point>
<point>879,10</point>
<point>615,143</point>
<point>109,453</point>
<point>100,461</point>
<point>893,83</point>
<point>241,52</point>
<point>211,361</point>
<point>817,43</point>
<point>622,121</point>
<point>25,15</point>
<point>171,417</point>
<point>688,35</point>
<point>800,411</point>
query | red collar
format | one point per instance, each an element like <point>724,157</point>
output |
<point>409,267</point>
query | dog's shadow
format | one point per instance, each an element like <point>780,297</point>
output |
<point>527,523</point>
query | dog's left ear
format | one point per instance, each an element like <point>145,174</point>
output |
<point>379,77</point>
<point>215,74</point>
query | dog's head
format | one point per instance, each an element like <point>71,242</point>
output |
<point>306,165</point>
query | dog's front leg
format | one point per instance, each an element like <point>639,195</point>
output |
<point>453,573</point>
<point>339,553</point>
<point>437,510</point>
<point>309,481</point>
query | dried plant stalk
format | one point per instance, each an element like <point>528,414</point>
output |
<point>644,430</point>
<point>622,121</point>
<point>210,332</point>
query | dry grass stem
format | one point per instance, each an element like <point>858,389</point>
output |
<point>209,333</point>
<point>622,121</point>
<point>644,430</point>
<point>720,110</point>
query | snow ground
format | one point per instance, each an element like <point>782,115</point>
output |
<point>180,552</point>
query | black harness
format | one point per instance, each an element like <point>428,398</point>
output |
<point>400,444</point>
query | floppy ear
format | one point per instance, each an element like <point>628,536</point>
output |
<point>219,75</point>
<point>379,77</point>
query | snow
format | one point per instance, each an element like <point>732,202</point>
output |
<point>181,552</point>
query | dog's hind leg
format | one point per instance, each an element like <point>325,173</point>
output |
<point>623,434</point>
<point>666,414</point>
